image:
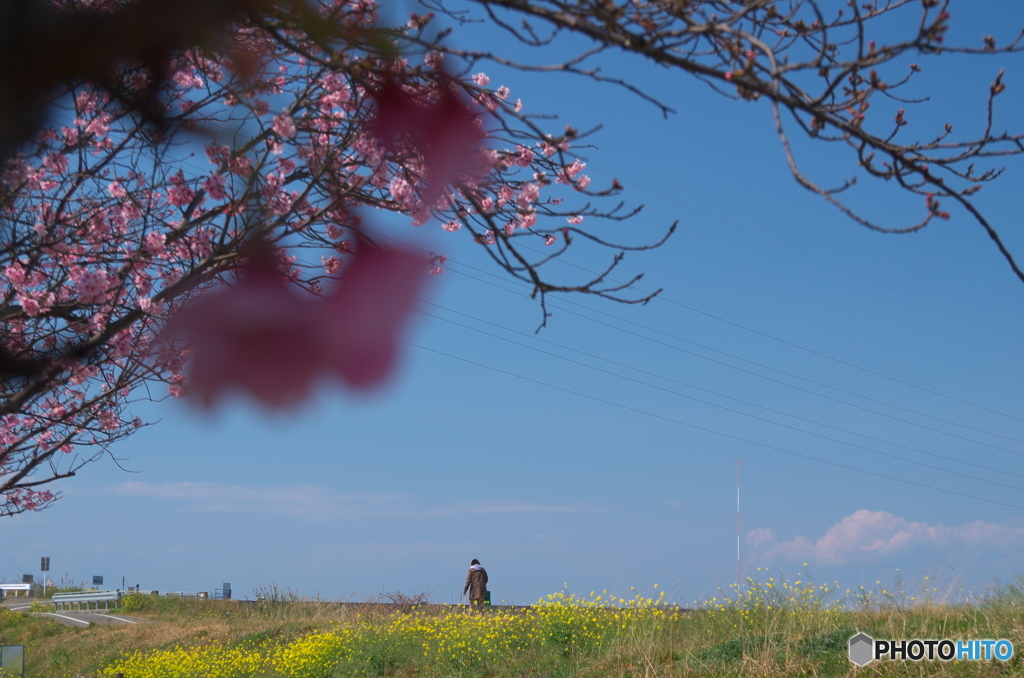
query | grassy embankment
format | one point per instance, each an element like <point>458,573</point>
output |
<point>773,629</point>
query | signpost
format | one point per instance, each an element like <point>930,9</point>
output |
<point>97,581</point>
<point>12,660</point>
<point>44,566</point>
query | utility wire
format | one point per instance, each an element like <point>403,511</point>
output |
<point>729,409</point>
<point>770,336</point>
<point>767,378</point>
<point>780,340</point>
<point>786,342</point>
<point>688,385</point>
<point>812,258</point>
<point>735,357</point>
<point>706,430</point>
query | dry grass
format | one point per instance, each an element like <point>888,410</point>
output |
<point>739,638</point>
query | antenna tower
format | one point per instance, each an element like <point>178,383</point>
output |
<point>738,527</point>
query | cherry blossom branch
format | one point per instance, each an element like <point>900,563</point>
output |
<point>115,238</point>
<point>824,71</point>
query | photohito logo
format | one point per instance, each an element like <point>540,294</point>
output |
<point>864,649</point>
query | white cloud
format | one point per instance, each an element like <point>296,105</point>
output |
<point>879,533</point>
<point>302,501</point>
<point>314,502</point>
<point>535,508</point>
<point>760,536</point>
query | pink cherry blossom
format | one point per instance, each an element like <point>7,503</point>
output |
<point>117,190</point>
<point>270,339</point>
<point>524,157</point>
<point>568,174</point>
<point>103,256</point>
<point>369,309</point>
<point>214,187</point>
<point>154,242</point>
<point>443,130</point>
<point>257,336</point>
<point>528,195</point>
<point>331,265</point>
<point>284,125</point>
<point>179,192</point>
<point>93,284</point>
<point>434,59</point>
<point>57,163</point>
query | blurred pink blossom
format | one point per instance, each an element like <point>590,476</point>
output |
<point>257,336</point>
<point>368,311</point>
<point>284,125</point>
<point>266,337</point>
<point>444,130</point>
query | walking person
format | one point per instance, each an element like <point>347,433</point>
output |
<point>476,584</point>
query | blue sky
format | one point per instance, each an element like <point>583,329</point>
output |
<point>528,452</point>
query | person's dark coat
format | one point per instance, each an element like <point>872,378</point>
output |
<point>476,583</point>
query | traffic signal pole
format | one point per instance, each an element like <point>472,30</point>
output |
<point>44,567</point>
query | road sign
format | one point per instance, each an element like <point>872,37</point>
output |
<point>97,580</point>
<point>12,660</point>
<point>44,564</point>
<point>27,579</point>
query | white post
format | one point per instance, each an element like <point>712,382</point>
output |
<point>738,527</point>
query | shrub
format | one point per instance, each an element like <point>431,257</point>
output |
<point>136,602</point>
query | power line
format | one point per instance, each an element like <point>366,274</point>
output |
<point>745,360</point>
<point>707,430</point>
<point>813,258</point>
<point>792,344</point>
<point>799,347</point>
<point>811,351</point>
<point>767,378</point>
<point>779,339</point>
<point>688,385</point>
<point>729,409</point>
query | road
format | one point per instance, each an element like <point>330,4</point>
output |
<point>76,618</point>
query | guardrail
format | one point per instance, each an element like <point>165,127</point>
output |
<point>187,594</point>
<point>4,588</point>
<point>87,597</point>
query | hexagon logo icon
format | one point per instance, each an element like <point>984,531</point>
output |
<point>862,649</point>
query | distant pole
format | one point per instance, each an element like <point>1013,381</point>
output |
<point>44,567</point>
<point>737,526</point>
